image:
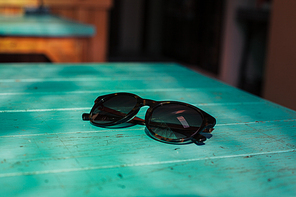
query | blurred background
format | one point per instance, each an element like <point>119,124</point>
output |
<point>224,39</point>
<point>249,44</point>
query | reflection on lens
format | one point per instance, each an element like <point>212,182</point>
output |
<point>175,121</point>
<point>113,109</point>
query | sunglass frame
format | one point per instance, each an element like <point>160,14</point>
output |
<point>208,121</point>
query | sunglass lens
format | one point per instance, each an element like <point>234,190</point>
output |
<point>113,109</point>
<point>174,122</point>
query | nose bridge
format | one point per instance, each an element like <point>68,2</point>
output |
<point>149,102</point>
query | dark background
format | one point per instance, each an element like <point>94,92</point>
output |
<point>187,31</point>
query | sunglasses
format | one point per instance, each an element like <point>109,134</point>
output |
<point>166,121</point>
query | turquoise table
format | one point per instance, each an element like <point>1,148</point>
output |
<point>43,26</point>
<point>47,150</point>
<point>59,39</point>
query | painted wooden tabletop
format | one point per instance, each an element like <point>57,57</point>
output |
<point>43,26</point>
<point>47,150</point>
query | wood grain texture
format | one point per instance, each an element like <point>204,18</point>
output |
<point>46,149</point>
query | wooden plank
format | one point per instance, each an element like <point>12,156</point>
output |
<point>100,149</point>
<point>249,138</point>
<point>230,115</point>
<point>201,97</point>
<point>89,85</point>
<point>101,71</point>
<point>125,180</point>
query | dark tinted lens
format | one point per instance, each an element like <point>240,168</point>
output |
<point>113,109</point>
<point>175,121</point>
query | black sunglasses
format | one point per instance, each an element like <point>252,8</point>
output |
<point>166,121</point>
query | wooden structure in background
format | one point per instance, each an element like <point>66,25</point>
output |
<point>56,49</point>
<point>94,12</point>
<point>59,39</point>
<point>280,81</point>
